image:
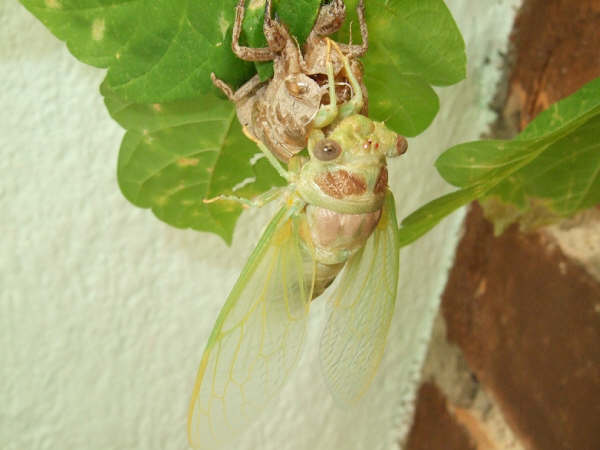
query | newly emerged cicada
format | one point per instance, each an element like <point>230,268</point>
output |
<point>338,216</point>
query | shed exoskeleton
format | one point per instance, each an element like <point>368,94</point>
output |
<point>281,111</point>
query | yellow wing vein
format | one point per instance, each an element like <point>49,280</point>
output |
<point>240,373</point>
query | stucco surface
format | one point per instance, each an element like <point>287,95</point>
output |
<point>105,310</point>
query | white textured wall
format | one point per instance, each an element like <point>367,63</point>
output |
<point>104,310</point>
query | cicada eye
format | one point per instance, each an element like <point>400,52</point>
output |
<point>327,150</point>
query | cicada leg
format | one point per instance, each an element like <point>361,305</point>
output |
<point>275,33</point>
<point>356,103</point>
<point>258,201</point>
<point>331,18</point>
<point>248,53</point>
<point>242,92</point>
<point>269,155</point>
<point>328,113</point>
<point>356,51</point>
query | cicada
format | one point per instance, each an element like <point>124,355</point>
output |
<point>338,220</point>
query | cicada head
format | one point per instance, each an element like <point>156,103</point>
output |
<point>347,167</point>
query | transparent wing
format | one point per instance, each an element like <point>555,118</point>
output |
<point>362,305</point>
<point>257,337</point>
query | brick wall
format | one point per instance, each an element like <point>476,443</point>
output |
<point>514,361</point>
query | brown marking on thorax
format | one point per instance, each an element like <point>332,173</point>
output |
<point>340,184</point>
<point>382,181</point>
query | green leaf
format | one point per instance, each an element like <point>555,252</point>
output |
<point>566,114</point>
<point>299,16</point>
<point>174,155</point>
<point>425,218</point>
<point>422,38</point>
<point>412,45</point>
<point>428,216</point>
<point>550,171</point>
<point>564,178</point>
<point>94,30</point>
<point>155,50</point>
<point>165,50</point>
<point>406,103</point>
<point>472,162</point>
<point>160,50</point>
<point>566,174</point>
<point>172,56</point>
